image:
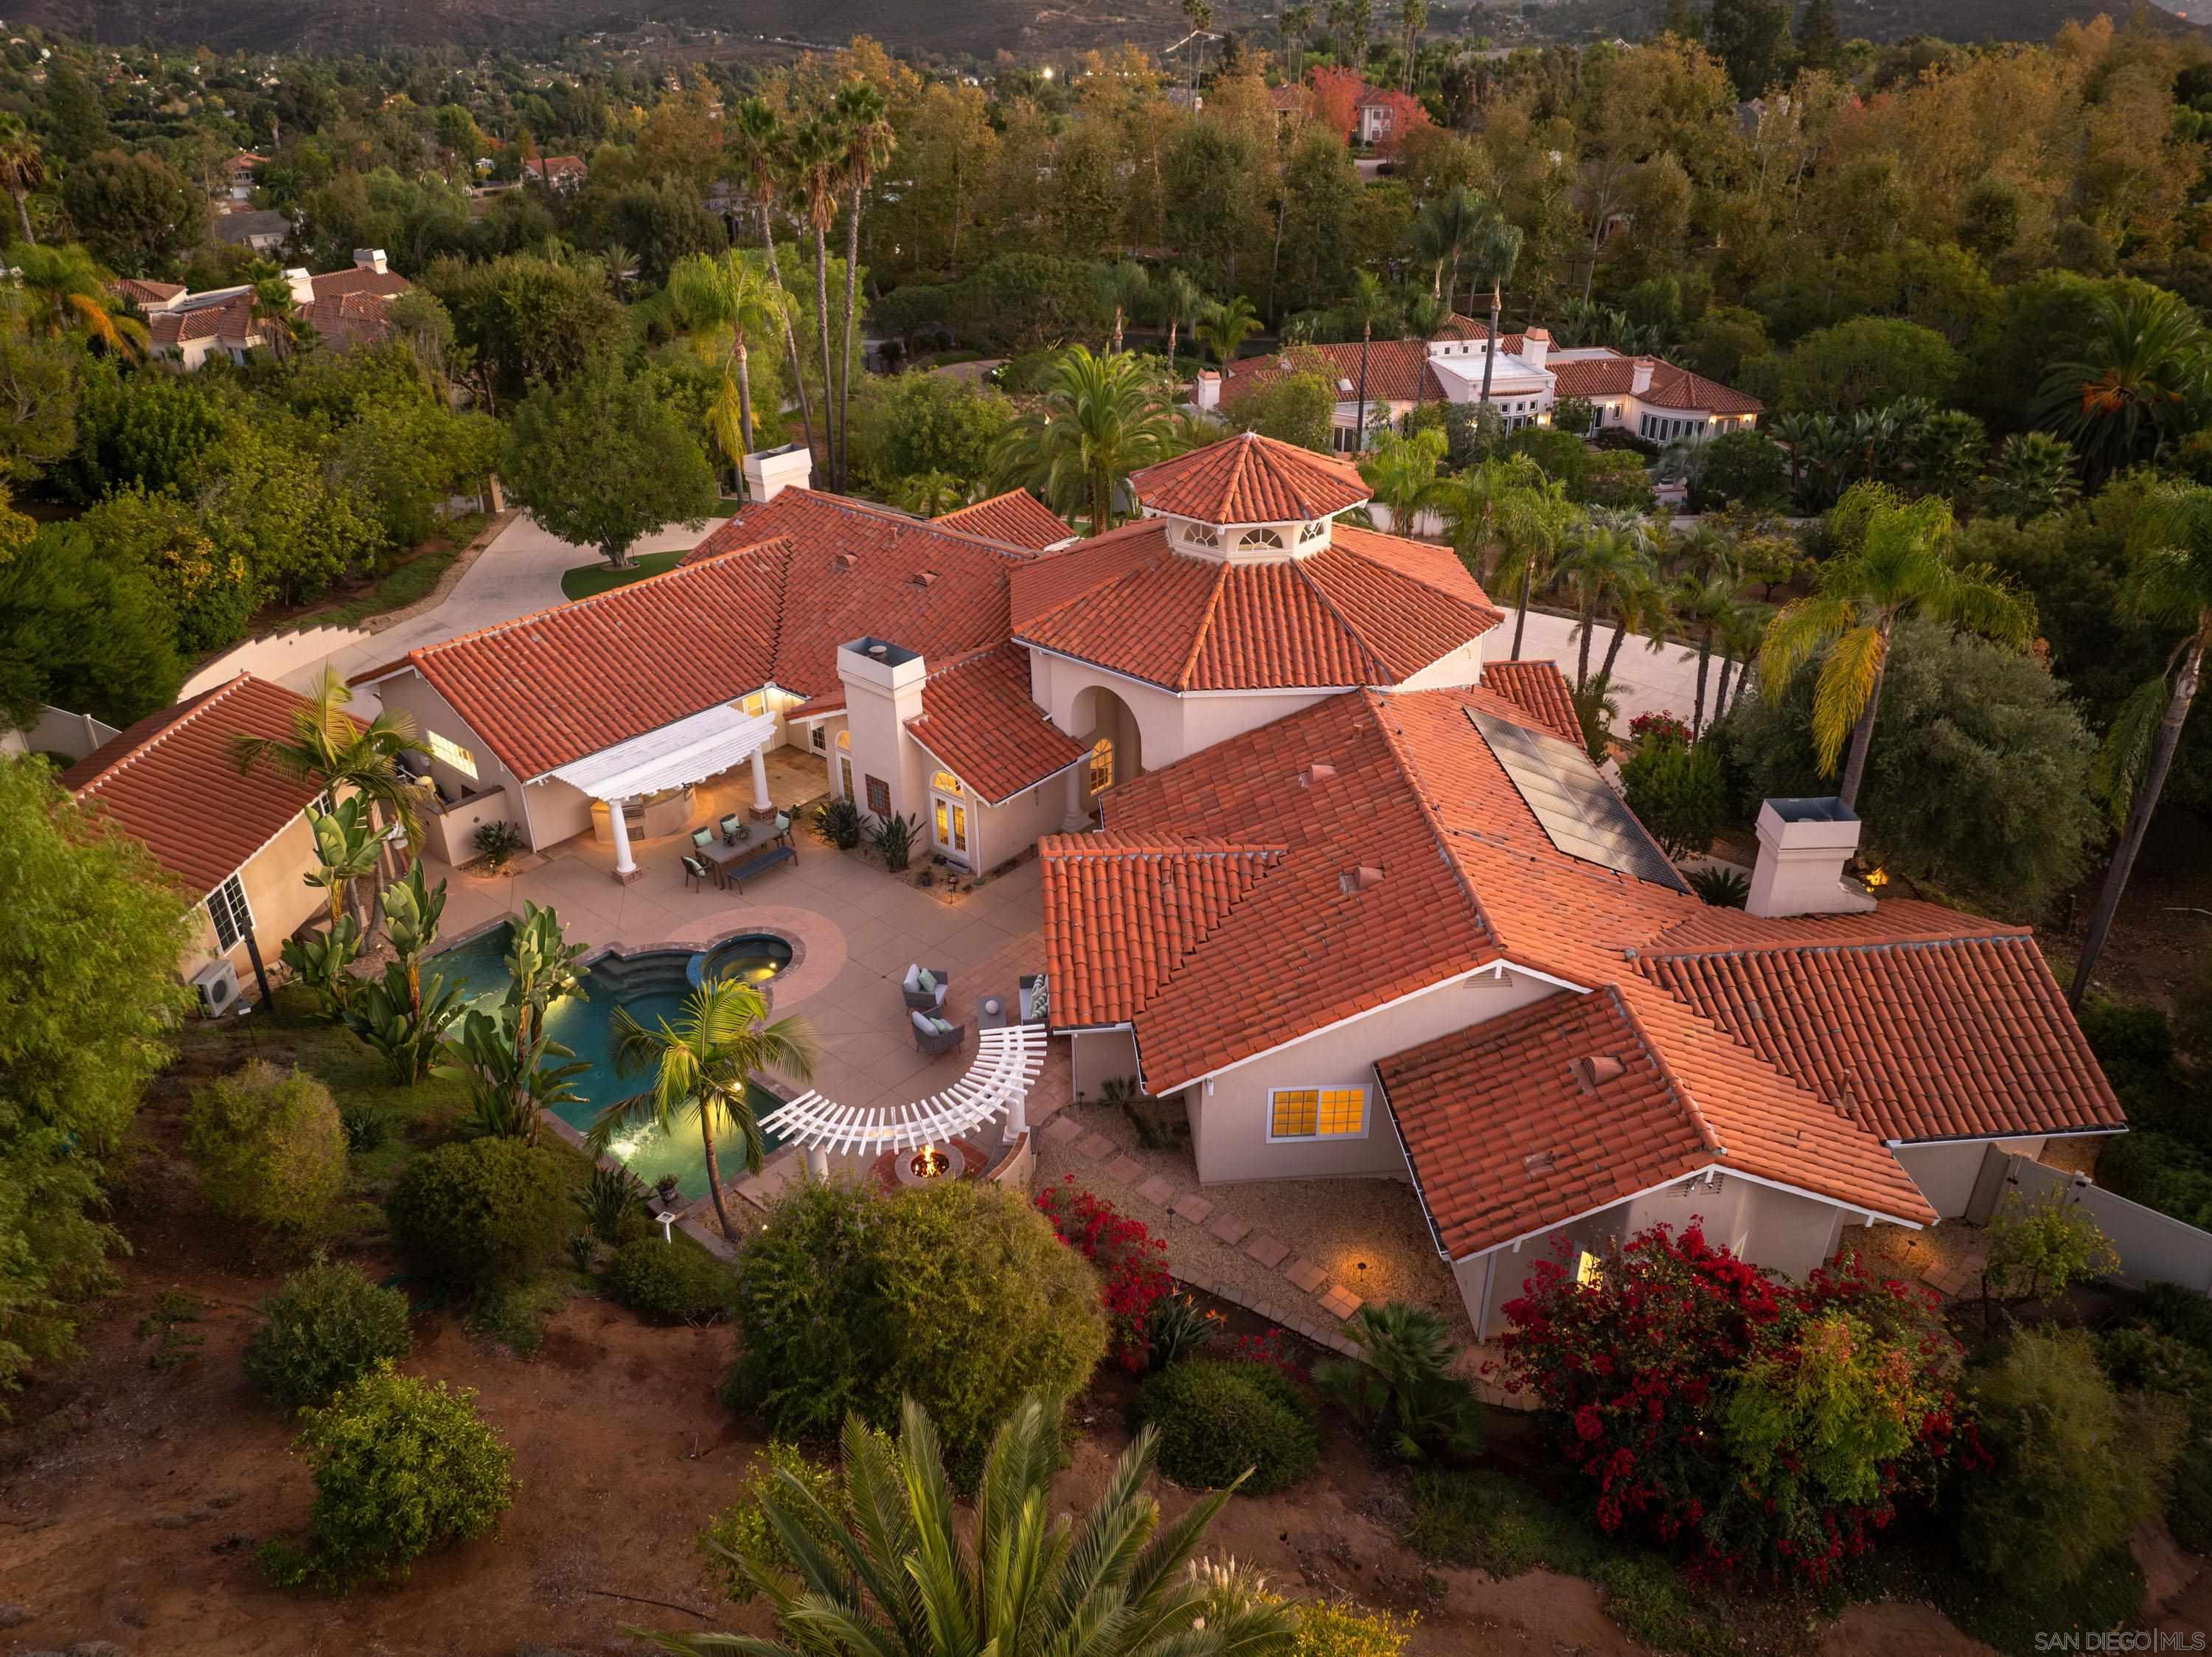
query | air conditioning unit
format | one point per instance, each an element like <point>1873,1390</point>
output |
<point>217,985</point>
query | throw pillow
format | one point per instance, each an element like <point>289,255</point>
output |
<point>925,980</point>
<point>913,977</point>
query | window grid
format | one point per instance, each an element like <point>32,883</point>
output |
<point>1317,1113</point>
<point>228,909</point>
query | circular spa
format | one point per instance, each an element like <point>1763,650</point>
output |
<point>752,958</point>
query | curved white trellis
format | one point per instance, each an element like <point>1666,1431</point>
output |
<point>1007,1061</point>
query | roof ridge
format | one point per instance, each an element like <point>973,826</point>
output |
<point>1204,631</point>
<point>1409,768</point>
<point>578,607</point>
<point>206,699</point>
<point>1677,1088</point>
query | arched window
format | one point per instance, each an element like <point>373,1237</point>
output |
<point>1201,534</point>
<point>1314,531</point>
<point>946,782</point>
<point>1261,538</point>
<point>1102,765</point>
<point>845,738</point>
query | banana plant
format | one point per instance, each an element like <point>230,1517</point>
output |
<point>403,1019</point>
<point>508,1080</point>
<point>347,844</point>
<point>320,963</point>
<point>411,909</point>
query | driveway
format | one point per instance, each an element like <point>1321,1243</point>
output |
<point>1643,682</point>
<point>517,573</point>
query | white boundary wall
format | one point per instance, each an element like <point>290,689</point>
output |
<point>2153,1247</point>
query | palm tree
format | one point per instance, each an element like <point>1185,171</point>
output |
<point>1530,530</point>
<point>1494,250</point>
<point>1794,431</point>
<point>1297,25</point>
<point>728,291</point>
<point>1902,564</point>
<point>1740,631</point>
<point>1476,503</point>
<point>22,167</point>
<point>1179,300</point>
<point>2138,379</point>
<point>331,746</point>
<point>1642,604</point>
<point>1223,328</point>
<point>863,120</point>
<point>1132,285</point>
<point>758,137</point>
<point>1706,606</point>
<point>928,494</point>
<point>276,312</point>
<point>1599,564</point>
<point>2170,585</point>
<point>889,1573</point>
<point>1443,231</point>
<point>1200,14</point>
<point>1369,308</point>
<point>818,153</point>
<point>63,290</point>
<point>1101,418</point>
<point>1402,472</point>
<point>618,267</point>
<point>2033,475</point>
<point>701,1063</point>
<point>1413,15</point>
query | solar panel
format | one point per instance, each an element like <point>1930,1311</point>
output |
<point>1584,817</point>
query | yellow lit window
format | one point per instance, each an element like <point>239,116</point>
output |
<point>451,753</point>
<point>1102,765</point>
<point>946,782</point>
<point>755,705</point>
<point>1317,1113</point>
<point>1587,1271</point>
<point>845,738</point>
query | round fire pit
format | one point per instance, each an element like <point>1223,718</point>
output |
<point>931,1165</point>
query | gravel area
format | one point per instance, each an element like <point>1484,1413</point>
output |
<point>1336,1223</point>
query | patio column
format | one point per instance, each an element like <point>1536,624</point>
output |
<point>1017,1117</point>
<point>763,807</point>
<point>817,1163</point>
<point>625,865</point>
<point>1076,819</point>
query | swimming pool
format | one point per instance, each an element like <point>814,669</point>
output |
<point>652,986</point>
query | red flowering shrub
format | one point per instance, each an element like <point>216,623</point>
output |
<point>1769,1429</point>
<point>1658,728</point>
<point>1132,1262</point>
<point>1271,1349</point>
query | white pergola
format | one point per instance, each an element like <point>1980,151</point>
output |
<point>1007,1061</point>
<point>673,756</point>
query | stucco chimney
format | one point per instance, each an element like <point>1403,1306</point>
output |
<point>1803,845</point>
<point>1535,346</point>
<point>769,471</point>
<point>882,692</point>
<point>302,284</point>
<point>1207,393</point>
<point>1640,374</point>
<point>369,259</point>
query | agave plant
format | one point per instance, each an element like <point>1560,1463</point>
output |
<point>896,837</point>
<point>899,1576</point>
<point>1721,887</point>
<point>840,823</point>
<point>1402,1387</point>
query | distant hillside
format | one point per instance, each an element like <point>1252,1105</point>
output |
<point>981,26</point>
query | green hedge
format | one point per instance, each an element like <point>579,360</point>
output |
<point>670,1281</point>
<point>481,1211</point>
<point>325,1329</point>
<point>271,1150</point>
<point>1217,1417</point>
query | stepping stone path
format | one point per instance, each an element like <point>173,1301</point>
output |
<point>1229,1229</point>
<point>1125,1169</point>
<point>1305,1275</point>
<point>1340,1301</point>
<point>1096,1146</point>
<point>1194,1208</point>
<point>1157,1189</point>
<point>1061,1129</point>
<point>1267,1251</point>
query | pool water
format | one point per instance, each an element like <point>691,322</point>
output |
<point>653,986</point>
<point>753,958</point>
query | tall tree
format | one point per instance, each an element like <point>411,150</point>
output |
<point>762,146</point>
<point>1600,564</point>
<point>1297,25</point>
<point>862,118</point>
<point>1179,300</point>
<point>728,296</point>
<point>818,156</point>
<point>604,462</point>
<point>889,1571</point>
<point>1748,37</point>
<point>1412,18</point>
<point>700,1066</point>
<point>2169,584</point>
<point>1820,42</point>
<point>22,167</point>
<point>1898,561</point>
<point>1101,418</point>
<point>1494,251</point>
<point>63,290</point>
<point>1225,327</point>
<point>329,745</point>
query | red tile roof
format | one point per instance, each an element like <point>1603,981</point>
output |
<point>1141,907</point>
<point>551,687</point>
<point>1250,479</point>
<point>171,781</point>
<point>360,279</point>
<point>1015,517</point>
<point>978,720</point>
<point>1398,371</point>
<point>1539,688</point>
<point>349,320</point>
<point>1917,1023</point>
<point>232,319</point>
<point>814,601</point>
<point>1369,609</point>
<point>1507,1138</point>
<point>1593,376</point>
<point>1677,388</point>
<point>146,292</point>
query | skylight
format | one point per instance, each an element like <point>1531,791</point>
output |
<point>1584,817</point>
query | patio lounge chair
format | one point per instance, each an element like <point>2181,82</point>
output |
<point>734,830</point>
<point>696,870</point>
<point>934,1036</point>
<point>784,821</point>
<point>923,988</point>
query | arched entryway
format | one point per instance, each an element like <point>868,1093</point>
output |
<point>1106,725</point>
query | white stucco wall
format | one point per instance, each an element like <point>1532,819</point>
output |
<point>1229,1126</point>
<point>1946,1173</point>
<point>545,817</point>
<point>1463,667</point>
<point>1098,1057</point>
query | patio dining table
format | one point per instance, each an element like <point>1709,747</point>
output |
<point>719,856</point>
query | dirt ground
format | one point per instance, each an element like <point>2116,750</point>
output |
<point>131,1498</point>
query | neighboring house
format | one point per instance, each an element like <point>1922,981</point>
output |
<point>1416,936</point>
<point>237,843</point>
<point>1373,116</point>
<point>240,174</point>
<point>1528,375</point>
<point>562,173</point>
<point>260,229</point>
<point>345,308</point>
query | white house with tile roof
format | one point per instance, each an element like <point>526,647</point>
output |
<point>1528,377</point>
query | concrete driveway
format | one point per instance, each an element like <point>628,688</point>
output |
<point>1644,681</point>
<point>517,573</point>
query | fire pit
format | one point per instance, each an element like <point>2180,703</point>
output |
<point>929,1163</point>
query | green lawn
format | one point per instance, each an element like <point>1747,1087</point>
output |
<point>599,576</point>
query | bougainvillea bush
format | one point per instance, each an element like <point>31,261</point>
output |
<point>1765,1429</point>
<point>1132,1262</point>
